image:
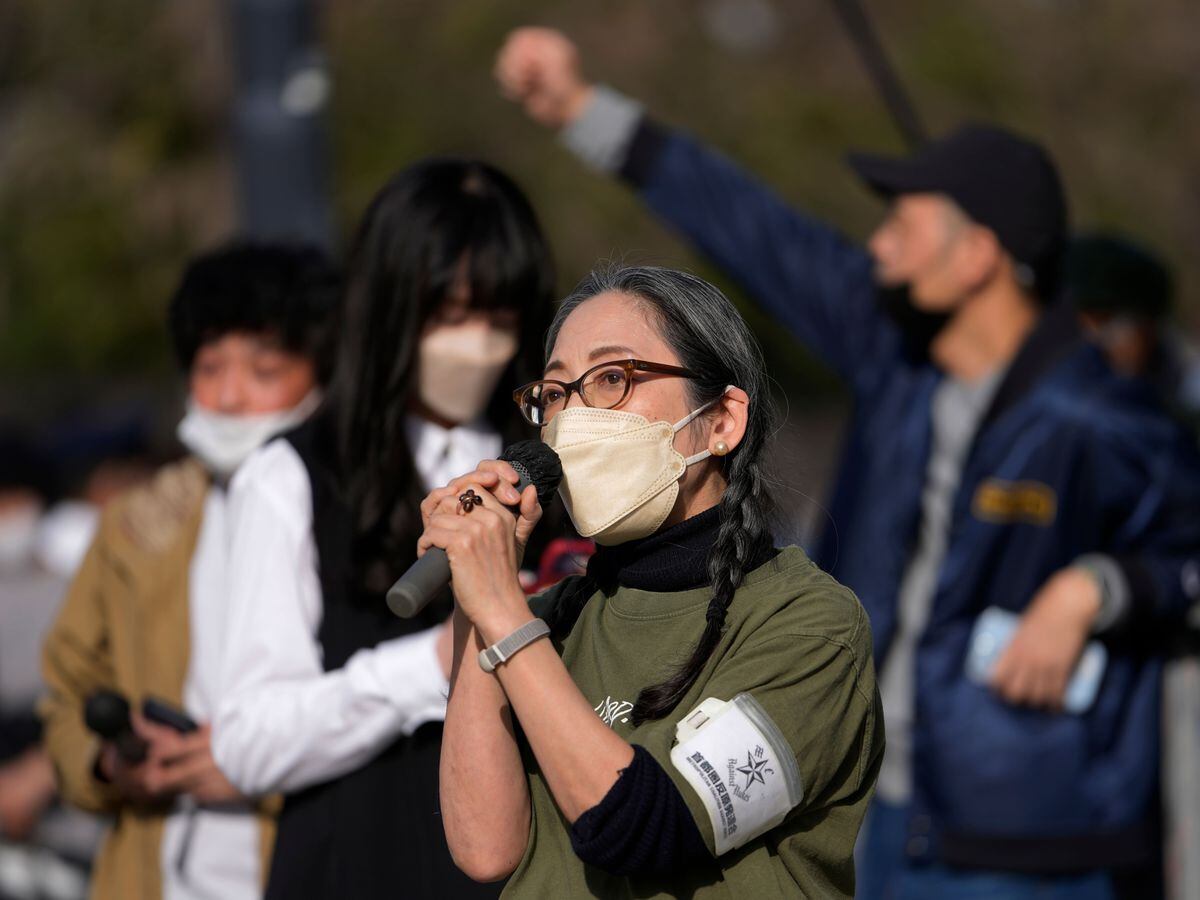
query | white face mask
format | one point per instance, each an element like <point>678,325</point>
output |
<point>18,536</point>
<point>459,366</point>
<point>222,442</point>
<point>621,472</point>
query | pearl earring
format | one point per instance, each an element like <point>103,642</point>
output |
<point>720,448</point>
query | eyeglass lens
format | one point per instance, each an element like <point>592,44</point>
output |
<point>602,388</point>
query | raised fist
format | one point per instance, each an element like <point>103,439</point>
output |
<point>539,68</point>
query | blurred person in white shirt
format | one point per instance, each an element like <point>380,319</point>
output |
<point>326,696</point>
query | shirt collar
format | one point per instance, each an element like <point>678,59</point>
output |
<point>431,443</point>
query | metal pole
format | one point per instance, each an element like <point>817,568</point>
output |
<point>887,82</point>
<point>280,145</point>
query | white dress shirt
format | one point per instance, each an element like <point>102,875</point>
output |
<point>442,454</point>
<point>209,853</point>
<point>283,723</point>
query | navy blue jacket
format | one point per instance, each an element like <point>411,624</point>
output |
<point>1069,460</point>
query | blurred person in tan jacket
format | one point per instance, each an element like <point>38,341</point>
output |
<point>145,613</point>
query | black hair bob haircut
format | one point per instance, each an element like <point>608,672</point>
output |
<point>436,224</point>
<point>289,291</point>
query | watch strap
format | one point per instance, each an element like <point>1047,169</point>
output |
<point>504,649</point>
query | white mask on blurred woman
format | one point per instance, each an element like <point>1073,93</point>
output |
<point>459,366</point>
<point>222,442</point>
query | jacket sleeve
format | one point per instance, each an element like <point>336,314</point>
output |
<point>1147,474</point>
<point>77,661</point>
<point>803,273</point>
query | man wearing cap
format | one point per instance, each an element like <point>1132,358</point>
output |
<point>1124,294</point>
<point>993,461</point>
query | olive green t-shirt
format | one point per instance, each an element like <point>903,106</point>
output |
<point>799,645</point>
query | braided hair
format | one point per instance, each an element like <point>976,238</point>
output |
<point>712,340</point>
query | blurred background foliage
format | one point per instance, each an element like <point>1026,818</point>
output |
<point>115,162</point>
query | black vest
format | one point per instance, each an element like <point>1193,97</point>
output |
<point>377,831</point>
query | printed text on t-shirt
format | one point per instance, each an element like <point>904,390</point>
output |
<point>610,711</point>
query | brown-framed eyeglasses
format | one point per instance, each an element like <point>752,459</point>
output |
<point>603,386</point>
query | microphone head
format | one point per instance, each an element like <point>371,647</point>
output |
<point>538,464</point>
<point>107,714</point>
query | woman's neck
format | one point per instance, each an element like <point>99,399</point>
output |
<point>699,495</point>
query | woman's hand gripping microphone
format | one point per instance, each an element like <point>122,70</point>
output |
<point>483,524</point>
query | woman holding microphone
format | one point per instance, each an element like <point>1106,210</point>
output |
<point>703,719</point>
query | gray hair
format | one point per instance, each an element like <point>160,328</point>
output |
<point>712,340</point>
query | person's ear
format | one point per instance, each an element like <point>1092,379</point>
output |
<point>729,422</point>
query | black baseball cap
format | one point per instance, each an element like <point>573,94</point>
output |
<point>1004,182</point>
<point>1109,273</point>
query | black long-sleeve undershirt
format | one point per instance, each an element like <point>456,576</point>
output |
<point>642,826</point>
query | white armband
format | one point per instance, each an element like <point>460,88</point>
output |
<point>740,765</point>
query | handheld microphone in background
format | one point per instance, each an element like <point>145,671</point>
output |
<point>536,464</point>
<point>107,714</point>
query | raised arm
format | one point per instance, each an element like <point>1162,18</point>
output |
<point>485,793</point>
<point>803,273</point>
<point>485,797</point>
<point>284,723</point>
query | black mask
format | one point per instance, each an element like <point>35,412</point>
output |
<point>917,327</point>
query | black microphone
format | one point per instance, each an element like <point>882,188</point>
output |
<point>107,714</point>
<point>536,464</point>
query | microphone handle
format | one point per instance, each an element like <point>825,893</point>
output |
<point>424,580</point>
<point>420,584</point>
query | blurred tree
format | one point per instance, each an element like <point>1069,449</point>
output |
<point>114,161</point>
<point>110,174</point>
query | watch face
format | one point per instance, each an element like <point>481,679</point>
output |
<point>489,659</point>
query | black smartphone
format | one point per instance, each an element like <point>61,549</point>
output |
<point>163,713</point>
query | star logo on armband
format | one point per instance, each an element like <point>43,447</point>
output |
<point>753,770</point>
